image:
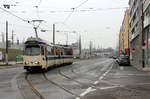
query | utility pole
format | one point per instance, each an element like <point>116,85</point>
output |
<point>80,46</point>
<point>66,38</point>
<point>54,34</point>
<point>17,41</point>
<point>3,39</point>
<point>6,55</point>
<point>143,51</point>
<point>12,38</point>
<point>90,48</point>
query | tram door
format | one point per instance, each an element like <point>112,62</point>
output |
<point>61,56</point>
<point>46,58</point>
<point>43,54</point>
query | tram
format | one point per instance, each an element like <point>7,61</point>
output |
<point>39,55</point>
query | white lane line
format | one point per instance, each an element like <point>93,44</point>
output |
<point>101,77</point>
<point>111,87</point>
<point>90,89</point>
<point>96,82</point>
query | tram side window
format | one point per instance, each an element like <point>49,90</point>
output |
<point>49,51</point>
<point>53,51</point>
<point>42,50</point>
<point>68,52</point>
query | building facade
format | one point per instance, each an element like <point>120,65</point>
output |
<point>146,35</point>
<point>124,35</point>
<point>135,32</point>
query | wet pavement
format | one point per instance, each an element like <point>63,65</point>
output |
<point>88,79</point>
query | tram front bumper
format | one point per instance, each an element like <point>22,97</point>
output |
<point>33,67</point>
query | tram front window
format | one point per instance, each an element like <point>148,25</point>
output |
<point>32,50</point>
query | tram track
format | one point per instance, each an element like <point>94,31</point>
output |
<point>37,93</point>
<point>78,74</point>
<point>101,72</point>
<point>60,86</point>
<point>80,83</point>
<point>68,77</point>
<point>91,85</point>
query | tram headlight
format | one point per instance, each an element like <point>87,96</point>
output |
<point>26,63</point>
<point>36,62</point>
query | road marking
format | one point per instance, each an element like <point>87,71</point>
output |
<point>121,68</point>
<point>90,89</point>
<point>96,82</point>
<point>101,77</point>
<point>131,74</point>
<point>111,87</point>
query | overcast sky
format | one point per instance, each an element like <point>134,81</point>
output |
<point>101,27</point>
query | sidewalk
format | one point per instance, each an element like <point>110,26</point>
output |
<point>11,64</point>
<point>147,69</point>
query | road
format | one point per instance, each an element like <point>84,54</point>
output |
<point>87,79</point>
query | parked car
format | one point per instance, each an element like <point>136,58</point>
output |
<point>123,60</point>
<point>114,57</point>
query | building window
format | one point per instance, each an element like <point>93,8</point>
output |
<point>133,31</point>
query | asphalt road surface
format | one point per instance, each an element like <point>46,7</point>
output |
<point>89,79</point>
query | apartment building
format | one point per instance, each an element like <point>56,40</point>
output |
<point>146,35</point>
<point>124,35</point>
<point>135,32</point>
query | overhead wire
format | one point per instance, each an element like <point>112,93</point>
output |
<point>16,25</point>
<point>68,16</point>
<point>73,9</point>
<point>81,10</point>
<point>37,8</point>
<point>24,20</point>
<point>81,4</point>
<point>39,3</point>
<point>27,21</point>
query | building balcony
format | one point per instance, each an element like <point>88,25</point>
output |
<point>146,4</point>
<point>133,36</point>
<point>146,21</point>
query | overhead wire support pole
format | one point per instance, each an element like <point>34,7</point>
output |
<point>6,55</point>
<point>54,34</point>
<point>12,37</point>
<point>143,45</point>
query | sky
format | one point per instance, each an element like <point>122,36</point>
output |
<point>101,26</point>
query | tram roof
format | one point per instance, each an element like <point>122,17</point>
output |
<point>32,40</point>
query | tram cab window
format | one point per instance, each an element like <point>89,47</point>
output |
<point>32,50</point>
<point>42,50</point>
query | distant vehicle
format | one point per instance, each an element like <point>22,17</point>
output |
<point>39,55</point>
<point>123,60</point>
<point>114,57</point>
<point>1,56</point>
